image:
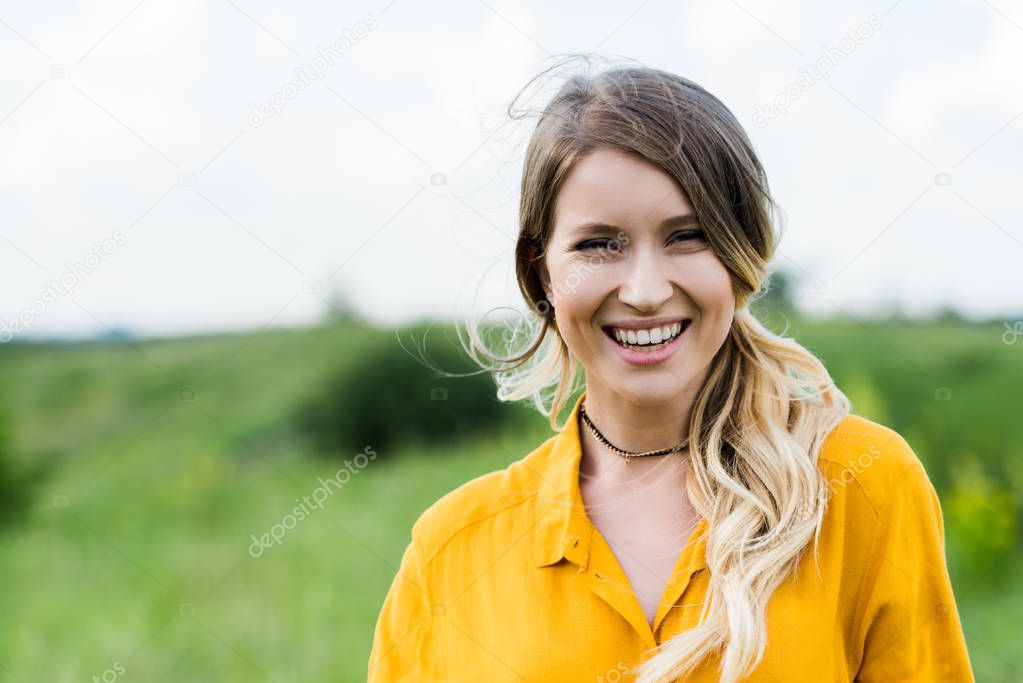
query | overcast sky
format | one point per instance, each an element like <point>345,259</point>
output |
<point>146,185</point>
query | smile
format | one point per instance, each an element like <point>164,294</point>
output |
<point>646,337</point>
<point>647,346</point>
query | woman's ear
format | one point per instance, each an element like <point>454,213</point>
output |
<point>546,282</point>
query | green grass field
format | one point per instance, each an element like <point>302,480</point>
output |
<point>152,464</point>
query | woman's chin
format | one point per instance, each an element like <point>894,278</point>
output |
<point>652,390</point>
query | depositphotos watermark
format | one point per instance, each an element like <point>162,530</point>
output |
<point>111,674</point>
<point>855,468</point>
<point>817,70</point>
<point>75,273</point>
<point>615,674</point>
<point>308,503</point>
<point>1012,332</point>
<point>307,73</point>
<point>578,272</point>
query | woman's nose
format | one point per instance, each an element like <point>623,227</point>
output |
<point>646,285</point>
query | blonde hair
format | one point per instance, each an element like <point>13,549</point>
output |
<point>767,404</point>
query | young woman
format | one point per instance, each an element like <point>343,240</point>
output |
<point>711,510</point>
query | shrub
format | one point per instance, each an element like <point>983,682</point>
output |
<point>395,390</point>
<point>13,480</point>
<point>981,518</point>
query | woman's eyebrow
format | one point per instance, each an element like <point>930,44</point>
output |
<point>672,222</point>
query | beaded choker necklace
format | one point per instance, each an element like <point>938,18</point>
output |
<point>628,455</point>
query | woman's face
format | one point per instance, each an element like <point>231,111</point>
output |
<point>617,262</point>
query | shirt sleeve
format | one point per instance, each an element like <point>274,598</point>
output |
<point>910,625</point>
<point>403,644</point>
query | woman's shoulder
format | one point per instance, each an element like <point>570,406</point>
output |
<point>870,458</point>
<point>474,505</point>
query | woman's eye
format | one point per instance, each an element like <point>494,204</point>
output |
<point>685,235</point>
<point>615,246</point>
<point>600,245</point>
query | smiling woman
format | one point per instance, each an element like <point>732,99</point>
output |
<point>653,274</point>
<point>670,538</point>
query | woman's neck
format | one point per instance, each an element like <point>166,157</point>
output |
<point>632,427</point>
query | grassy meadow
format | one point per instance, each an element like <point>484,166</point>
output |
<point>149,466</point>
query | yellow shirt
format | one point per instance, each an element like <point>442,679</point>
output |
<point>507,579</point>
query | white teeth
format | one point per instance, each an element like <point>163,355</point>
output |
<point>648,337</point>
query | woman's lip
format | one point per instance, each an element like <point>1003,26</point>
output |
<point>609,329</point>
<point>647,323</point>
<point>648,357</point>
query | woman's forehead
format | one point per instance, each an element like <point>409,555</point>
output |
<point>618,190</point>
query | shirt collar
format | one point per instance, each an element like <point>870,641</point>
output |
<point>563,529</point>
